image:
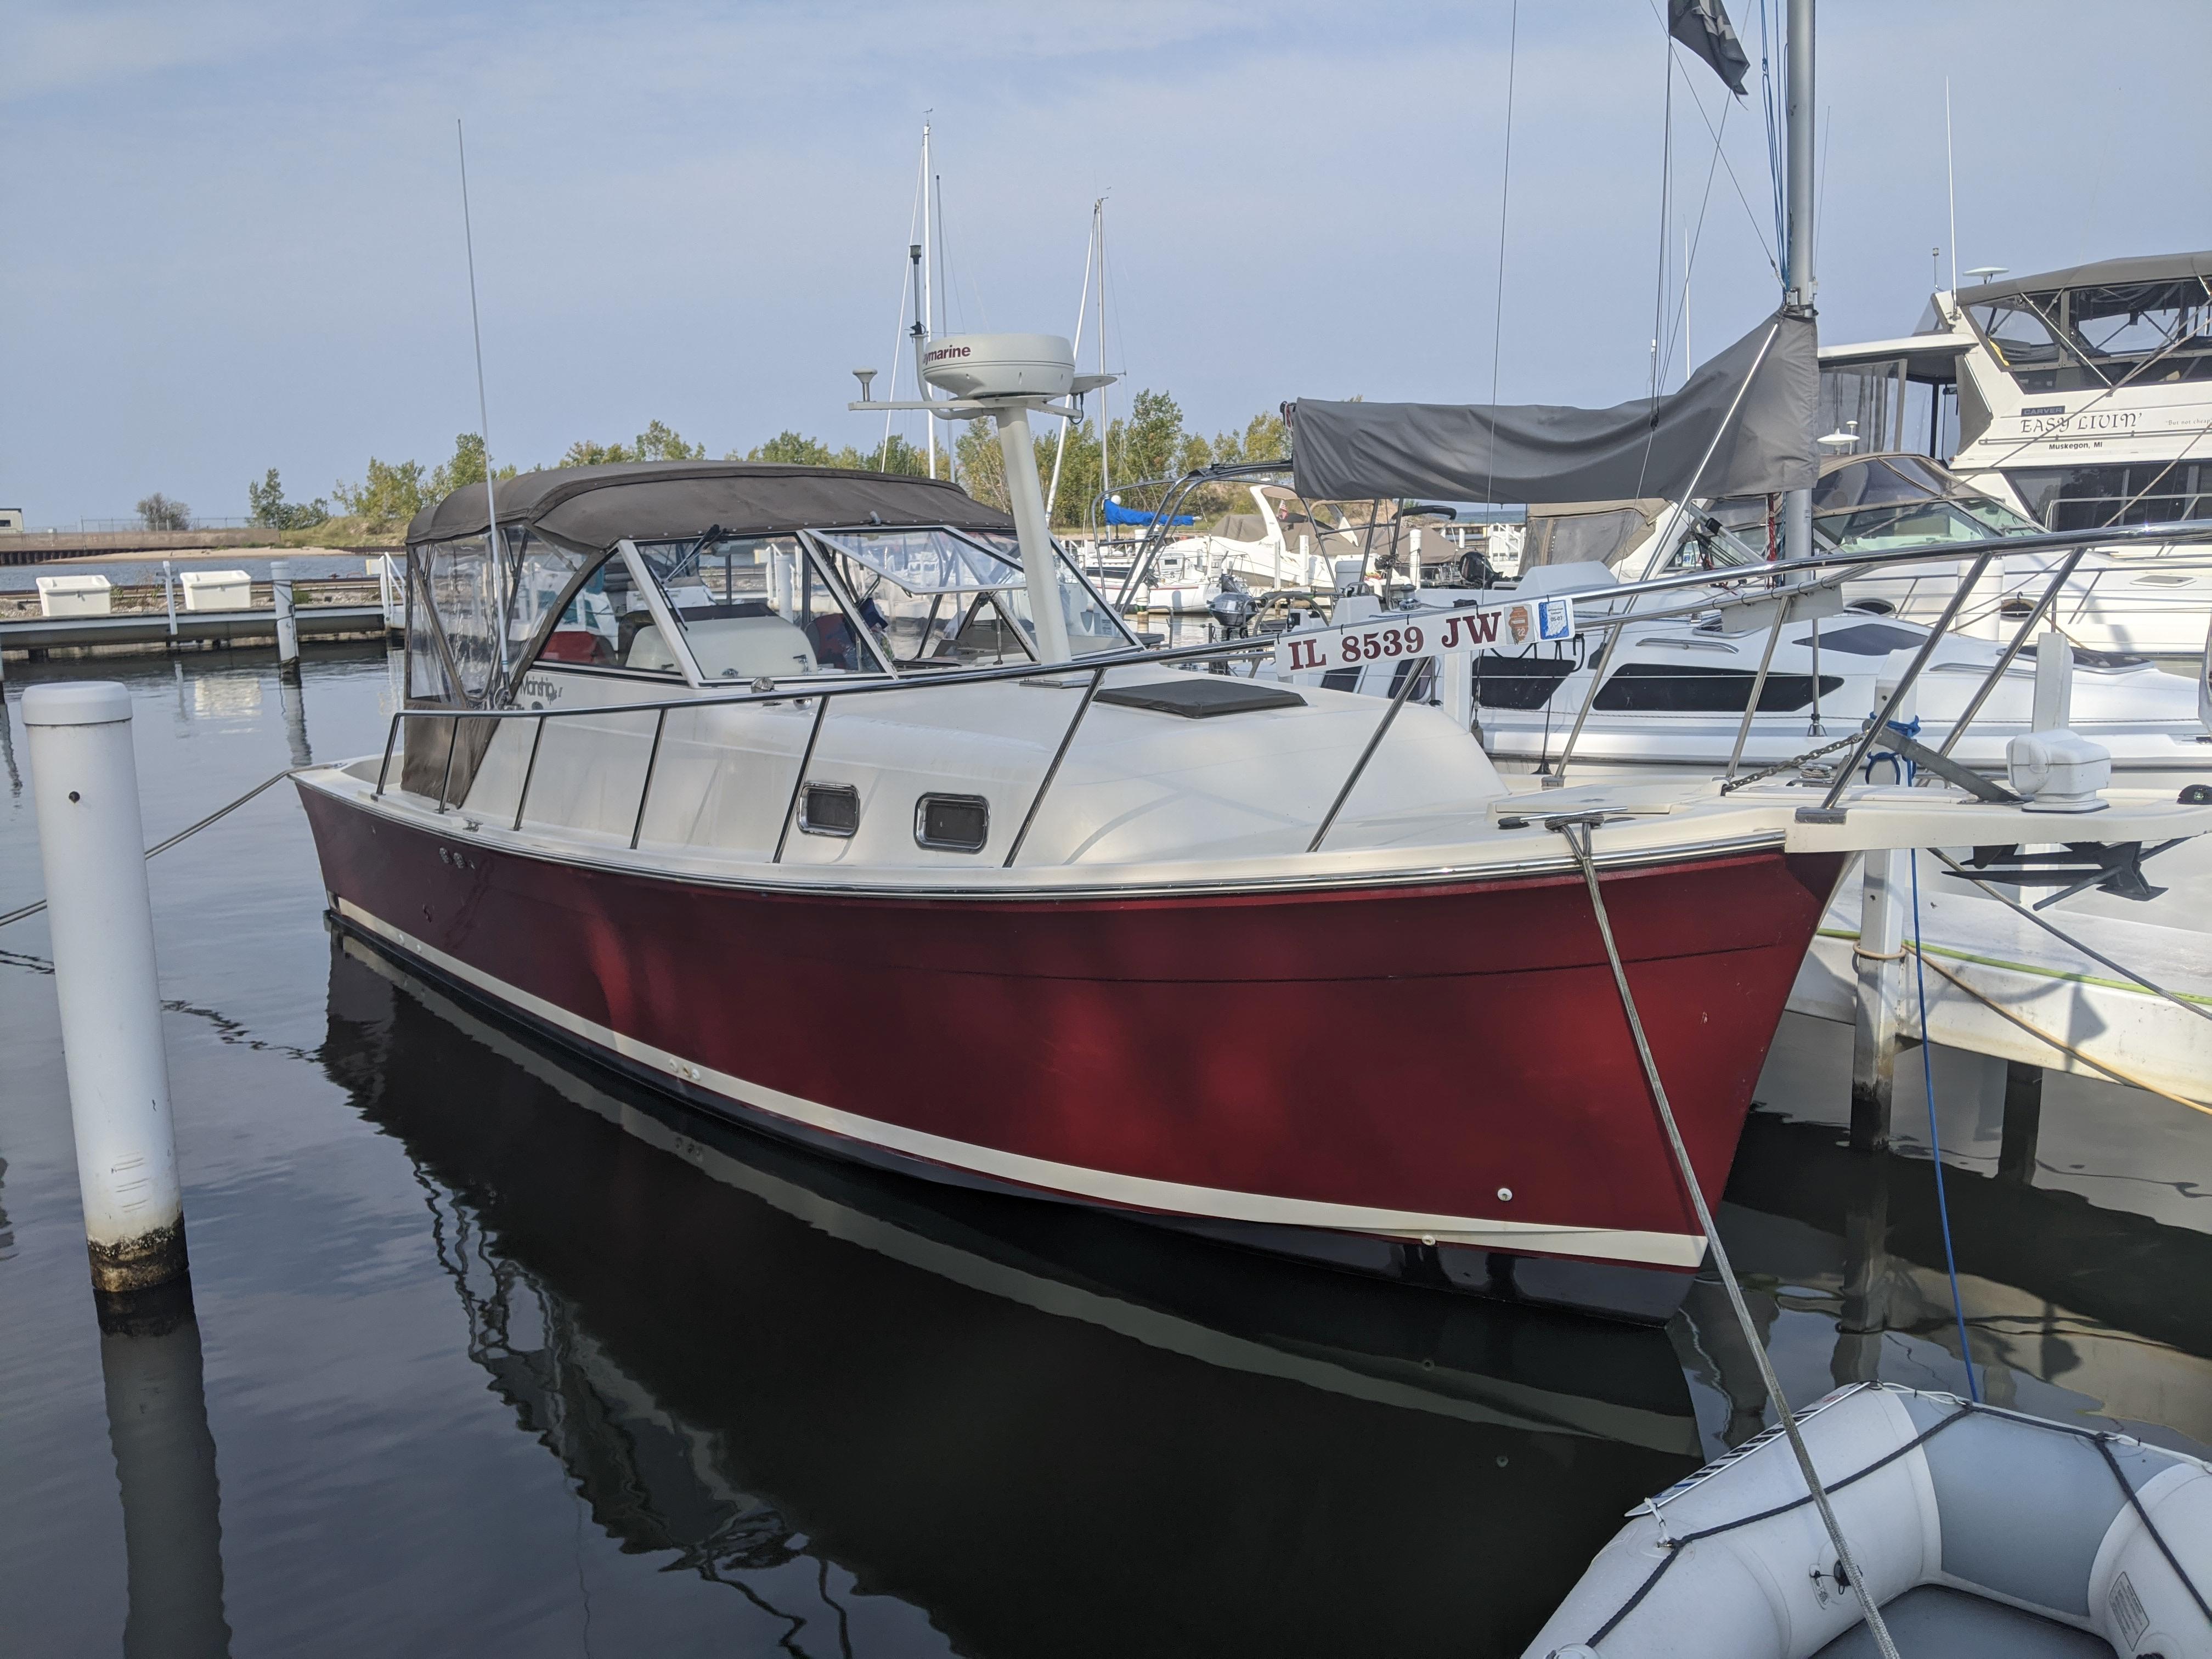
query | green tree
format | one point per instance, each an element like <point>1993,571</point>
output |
<point>978,464</point>
<point>158,512</point>
<point>393,492</point>
<point>1148,445</point>
<point>272,512</point>
<point>789,448</point>
<point>657,442</point>
<point>465,468</point>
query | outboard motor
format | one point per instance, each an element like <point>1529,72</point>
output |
<point>1232,607</point>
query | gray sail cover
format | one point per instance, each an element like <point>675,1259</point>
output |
<point>1743,425</point>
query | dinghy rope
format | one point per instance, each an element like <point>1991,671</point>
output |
<point>1577,829</point>
<point>26,911</point>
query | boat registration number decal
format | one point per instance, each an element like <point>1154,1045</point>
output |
<point>1425,633</point>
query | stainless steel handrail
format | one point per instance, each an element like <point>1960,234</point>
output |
<point>1832,568</point>
<point>1066,738</point>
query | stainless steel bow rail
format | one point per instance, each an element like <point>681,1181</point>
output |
<point>1758,587</point>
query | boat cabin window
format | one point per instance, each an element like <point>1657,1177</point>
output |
<point>934,597</point>
<point>2091,498</point>
<point>2103,335</point>
<point>752,607</point>
<point>928,598</point>
<point>602,623</point>
<point>1093,625</point>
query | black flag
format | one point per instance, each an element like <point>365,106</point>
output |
<point>1704,27</point>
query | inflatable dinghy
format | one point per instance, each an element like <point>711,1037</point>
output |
<point>1981,1533</point>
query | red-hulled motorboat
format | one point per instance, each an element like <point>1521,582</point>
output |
<point>757,783</point>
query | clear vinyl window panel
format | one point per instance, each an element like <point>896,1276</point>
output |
<point>752,607</point>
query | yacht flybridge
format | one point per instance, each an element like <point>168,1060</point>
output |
<point>841,805</point>
<point>2083,396</point>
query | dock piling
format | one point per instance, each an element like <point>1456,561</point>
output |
<point>288,628</point>
<point>92,850</point>
<point>1880,960</point>
<point>169,598</point>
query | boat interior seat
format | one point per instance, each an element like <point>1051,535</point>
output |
<point>730,647</point>
<point>1933,1619</point>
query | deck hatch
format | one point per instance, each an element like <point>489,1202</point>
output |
<point>1201,696</point>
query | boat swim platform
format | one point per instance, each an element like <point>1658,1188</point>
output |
<point>134,633</point>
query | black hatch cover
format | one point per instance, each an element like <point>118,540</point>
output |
<point>1201,696</point>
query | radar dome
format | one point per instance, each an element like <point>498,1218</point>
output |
<point>1000,365</point>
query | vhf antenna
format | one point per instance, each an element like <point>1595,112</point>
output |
<point>483,417</point>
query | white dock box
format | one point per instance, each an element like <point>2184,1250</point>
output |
<point>74,596</point>
<point>217,590</point>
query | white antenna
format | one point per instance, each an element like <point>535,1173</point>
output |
<point>483,417</point>
<point>1082,312</point>
<point>928,316</point>
<point>1951,184</point>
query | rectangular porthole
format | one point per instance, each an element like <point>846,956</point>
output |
<point>952,823</point>
<point>830,809</point>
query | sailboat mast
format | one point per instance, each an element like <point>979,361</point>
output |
<point>928,316</point>
<point>1105,424</point>
<point>1082,316</point>
<point>1797,505</point>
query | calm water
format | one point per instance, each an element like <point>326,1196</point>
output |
<point>499,1355</point>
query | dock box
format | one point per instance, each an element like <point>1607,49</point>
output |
<point>217,590</point>
<point>74,596</point>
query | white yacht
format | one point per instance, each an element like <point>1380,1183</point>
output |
<point>1286,541</point>
<point>2082,397</point>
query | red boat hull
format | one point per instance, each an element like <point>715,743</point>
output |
<point>1340,1073</point>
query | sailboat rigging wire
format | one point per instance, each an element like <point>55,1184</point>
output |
<point>1935,1141</point>
<point>1505,195</point>
<point>1758,230</point>
<point>1689,262</point>
<point>1666,217</point>
<point>1082,312</point>
<point>898,329</point>
<point>1578,832</point>
<point>1771,105</point>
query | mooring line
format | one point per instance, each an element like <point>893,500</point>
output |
<point>164,846</point>
<point>1577,831</point>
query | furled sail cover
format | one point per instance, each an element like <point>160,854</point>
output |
<point>1741,426</point>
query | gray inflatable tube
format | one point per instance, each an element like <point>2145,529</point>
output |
<point>1981,1532</point>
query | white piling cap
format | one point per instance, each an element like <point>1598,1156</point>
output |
<point>87,702</point>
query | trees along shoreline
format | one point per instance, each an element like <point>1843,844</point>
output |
<point>1149,443</point>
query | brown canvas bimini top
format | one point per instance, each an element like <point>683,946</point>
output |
<point>596,507</point>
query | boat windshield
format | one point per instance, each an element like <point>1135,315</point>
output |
<point>752,607</point>
<point>934,598</point>
<point>1899,500</point>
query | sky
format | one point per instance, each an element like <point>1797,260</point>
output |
<point>231,234</point>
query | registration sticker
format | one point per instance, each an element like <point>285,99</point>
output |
<point>1396,635</point>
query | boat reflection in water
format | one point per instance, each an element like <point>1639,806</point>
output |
<point>904,1415</point>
